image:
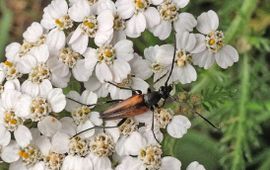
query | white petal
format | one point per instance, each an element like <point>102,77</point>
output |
<point>140,84</point>
<point>114,132</point>
<point>41,53</point>
<point>136,25</point>
<point>57,100</point>
<point>130,163</point>
<point>33,32</point>
<point>125,8</point>
<point>134,143</point>
<point>226,56</point>
<point>181,3</point>
<point>79,11</point>
<point>90,58</point>
<point>68,126</point>
<point>92,84</point>
<point>23,136</point>
<point>152,17</point>
<point>162,30</point>
<point>79,44</point>
<point>171,163</point>
<point>204,59</point>
<point>5,136</point>
<point>10,153</point>
<point>60,143</point>
<point>44,144</point>
<point>208,22</point>
<point>120,69</point>
<point>44,88</point>
<point>141,67</point>
<point>200,44</point>
<point>8,97</point>
<point>185,41</point>
<point>195,166</point>
<point>77,162</point>
<point>103,73</point>
<point>49,126</point>
<point>88,97</point>
<point>178,126</point>
<point>95,118</point>
<point>101,163</point>
<point>12,50</point>
<point>55,40</point>
<point>81,72</point>
<point>86,125</point>
<point>23,106</point>
<point>26,64</point>
<point>124,50</point>
<point>185,22</point>
<point>185,74</point>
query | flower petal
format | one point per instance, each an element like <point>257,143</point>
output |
<point>23,136</point>
<point>178,126</point>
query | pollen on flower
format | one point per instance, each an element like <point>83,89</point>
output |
<point>119,23</point>
<point>39,73</point>
<point>141,5</point>
<point>64,23</point>
<point>163,116</point>
<point>128,127</point>
<point>106,54</point>
<point>39,109</point>
<point>102,145</point>
<point>11,71</point>
<point>92,2</point>
<point>183,58</point>
<point>151,157</point>
<point>69,57</point>
<point>78,146</point>
<point>127,82</point>
<point>214,41</point>
<point>54,160</point>
<point>168,11</point>
<point>156,67</point>
<point>25,48</point>
<point>90,26</point>
<point>11,121</point>
<point>81,114</point>
<point>30,155</point>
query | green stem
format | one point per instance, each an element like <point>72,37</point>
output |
<point>5,24</point>
<point>241,20</point>
<point>238,153</point>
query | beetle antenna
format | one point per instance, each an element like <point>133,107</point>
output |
<point>172,66</point>
<point>90,105</point>
<point>94,127</point>
<point>201,116</point>
<point>208,121</point>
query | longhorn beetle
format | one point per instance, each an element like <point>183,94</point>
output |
<point>140,103</point>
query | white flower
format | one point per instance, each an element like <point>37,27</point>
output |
<point>56,19</point>
<point>139,14</point>
<point>170,18</point>
<point>134,80</point>
<point>10,116</point>
<point>111,62</point>
<point>217,51</point>
<point>67,59</point>
<point>187,44</point>
<point>91,26</point>
<point>9,70</point>
<point>195,166</point>
<point>80,107</point>
<point>148,156</point>
<point>94,85</point>
<point>34,36</point>
<point>160,58</point>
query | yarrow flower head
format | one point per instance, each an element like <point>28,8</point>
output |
<point>77,93</point>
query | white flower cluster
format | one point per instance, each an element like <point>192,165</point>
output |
<point>88,41</point>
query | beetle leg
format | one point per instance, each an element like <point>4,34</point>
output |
<point>125,88</point>
<point>153,124</point>
<point>90,105</point>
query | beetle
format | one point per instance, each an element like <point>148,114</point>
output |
<point>140,103</point>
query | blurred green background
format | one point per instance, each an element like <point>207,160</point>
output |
<point>237,99</point>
